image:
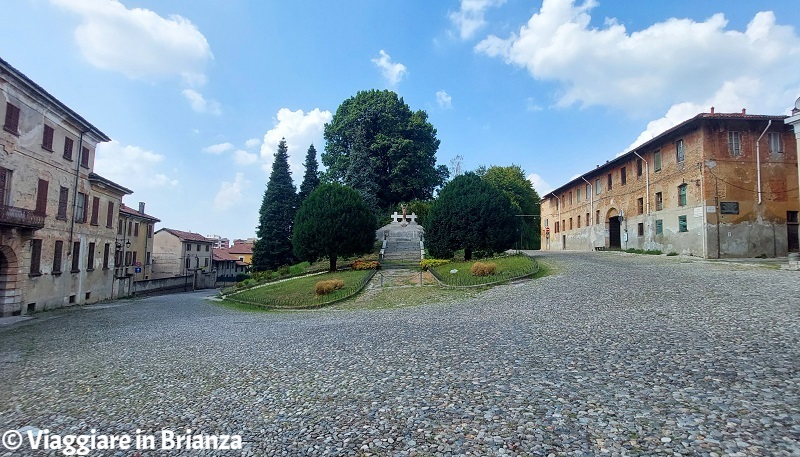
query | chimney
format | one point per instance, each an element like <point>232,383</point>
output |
<point>744,111</point>
<point>141,207</point>
<point>712,110</point>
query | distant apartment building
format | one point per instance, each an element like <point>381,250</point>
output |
<point>179,253</point>
<point>219,242</point>
<point>716,185</point>
<point>134,248</point>
<point>57,217</point>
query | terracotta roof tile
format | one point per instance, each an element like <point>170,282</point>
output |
<point>188,236</point>
<point>128,210</point>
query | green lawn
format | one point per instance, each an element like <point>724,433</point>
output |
<point>508,268</point>
<point>299,292</point>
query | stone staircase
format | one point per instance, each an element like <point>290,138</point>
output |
<point>402,247</point>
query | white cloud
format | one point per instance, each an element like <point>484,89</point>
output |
<point>444,100</point>
<point>200,104</point>
<point>243,157</point>
<point>392,72</point>
<point>646,71</point>
<point>218,148</point>
<point>252,143</point>
<point>131,166</point>
<point>531,105</point>
<point>540,185</point>
<point>138,42</point>
<point>471,16</point>
<point>230,193</point>
<point>301,130</point>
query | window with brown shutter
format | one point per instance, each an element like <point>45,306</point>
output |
<point>41,197</point>
<point>63,197</point>
<point>57,256</point>
<point>47,138</point>
<point>76,256</point>
<point>106,251</point>
<point>85,157</point>
<point>68,148</point>
<point>95,209</point>
<point>5,184</point>
<point>36,257</point>
<point>136,229</point>
<point>110,215</point>
<point>12,119</point>
<point>90,258</point>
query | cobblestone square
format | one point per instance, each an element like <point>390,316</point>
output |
<point>612,354</point>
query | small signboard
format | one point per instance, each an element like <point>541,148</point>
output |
<point>138,269</point>
<point>729,207</point>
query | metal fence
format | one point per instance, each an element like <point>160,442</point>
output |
<point>476,281</point>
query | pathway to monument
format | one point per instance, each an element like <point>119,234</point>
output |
<point>401,254</point>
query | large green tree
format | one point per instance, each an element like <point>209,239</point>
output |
<point>273,246</point>
<point>512,182</point>
<point>361,174</point>
<point>311,175</point>
<point>472,215</point>
<point>400,143</point>
<point>333,222</point>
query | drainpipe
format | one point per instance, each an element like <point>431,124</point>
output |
<point>758,160</point>
<point>646,179</point>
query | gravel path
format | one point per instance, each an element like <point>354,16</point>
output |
<point>614,354</point>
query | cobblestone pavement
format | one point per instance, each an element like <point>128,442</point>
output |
<point>614,354</point>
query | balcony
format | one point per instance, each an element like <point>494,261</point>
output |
<point>11,216</point>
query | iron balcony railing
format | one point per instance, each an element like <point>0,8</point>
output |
<point>20,217</point>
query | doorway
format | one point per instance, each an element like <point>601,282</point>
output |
<point>614,225</point>
<point>9,300</point>
<point>792,231</point>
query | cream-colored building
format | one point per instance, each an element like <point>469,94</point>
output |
<point>134,249</point>
<point>179,253</point>
<point>57,217</point>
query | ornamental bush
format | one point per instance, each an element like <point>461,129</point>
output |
<point>328,286</point>
<point>427,264</point>
<point>362,264</point>
<point>483,269</point>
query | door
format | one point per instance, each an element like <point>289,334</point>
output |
<point>792,232</point>
<point>614,232</point>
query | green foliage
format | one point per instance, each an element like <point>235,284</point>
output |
<point>418,207</point>
<point>470,214</point>
<point>427,264</point>
<point>311,176</point>
<point>300,292</point>
<point>671,254</point>
<point>648,252</point>
<point>242,277</point>
<point>273,246</point>
<point>507,268</point>
<point>401,146</point>
<point>361,174</point>
<point>362,264</point>
<point>333,222</point>
<point>512,182</point>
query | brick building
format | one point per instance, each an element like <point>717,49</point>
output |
<point>716,185</point>
<point>57,217</point>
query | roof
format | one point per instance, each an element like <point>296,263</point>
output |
<point>222,255</point>
<point>6,68</point>
<point>132,212</point>
<point>241,248</point>
<point>95,178</point>
<point>685,125</point>
<point>187,236</point>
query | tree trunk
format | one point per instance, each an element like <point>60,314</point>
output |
<point>467,253</point>
<point>332,260</point>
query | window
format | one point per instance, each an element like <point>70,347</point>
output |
<point>133,258</point>
<point>775,143</point>
<point>639,167</point>
<point>76,257</point>
<point>5,186</point>
<point>679,155</point>
<point>110,215</point>
<point>659,201</point>
<point>188,264</point>
<point>640,228</point>
<point>147,258</point>
<point>12,119</point>
<point>597,217</point>
<point>207,246</point>
<point>557,202</point>
<point>657,161</point>
<point>41,197</point>
<point>578,195</point>
<point>57,252</point>
<point>106,252</point>
<point>570,198</point>
<point>563,224</point>
<point>206,261</point>
<point>188,247</point>
<point>149,230</point>
<point>82,208</point>
<point>579,222</point>
<point>597,186</point>
<point>588,221</point>
<point>128,257</point>
<point>588,190</point>
<point>640,205</point>
<point>198,248</point>
<point>85,157</point>
<point>682,195</point>
<point>609,182</point>
<point>47,138</point>
<point>623,175</point>
<point>36,257</point>
<point>95,209</point>
<point>734,144</point>
<point>570,223</point>
<point>68,148</point>
<point>63,198</point>
<point>659,226</point>
<point>136,229</point>
<point>682,224</point>
<point>90,258</point>
<point>120,225</point>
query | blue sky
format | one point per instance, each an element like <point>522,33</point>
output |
<point>196,94</point>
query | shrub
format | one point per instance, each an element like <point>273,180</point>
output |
<point>262,275</point>
<point>328,286</point>
<point>427,264</point>
<point>284,270</point>
<point>672,254</point>
<point>362,264</point>
<point>484,269</point>
<point>242,276</point>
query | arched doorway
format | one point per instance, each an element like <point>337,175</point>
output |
<point>614,229</point>
<point>9,298</point>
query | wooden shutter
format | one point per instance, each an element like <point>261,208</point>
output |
<point>106,251</point>
<point>85,208</point>
<point>76,256</point>
<point>63,196</point>
<point>36,256</point>
<point>110,215</point>
<point>68,148</point>
<point>3,173</point>
<point>47,139</point>
<point>12,118</point>
<point>95,209</point>
<point>85,157</point>
<point>41,197</point>
<point>57,256</point>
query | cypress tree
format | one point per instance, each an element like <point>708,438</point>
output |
<point>273,246</point>
<point>311,176</point>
